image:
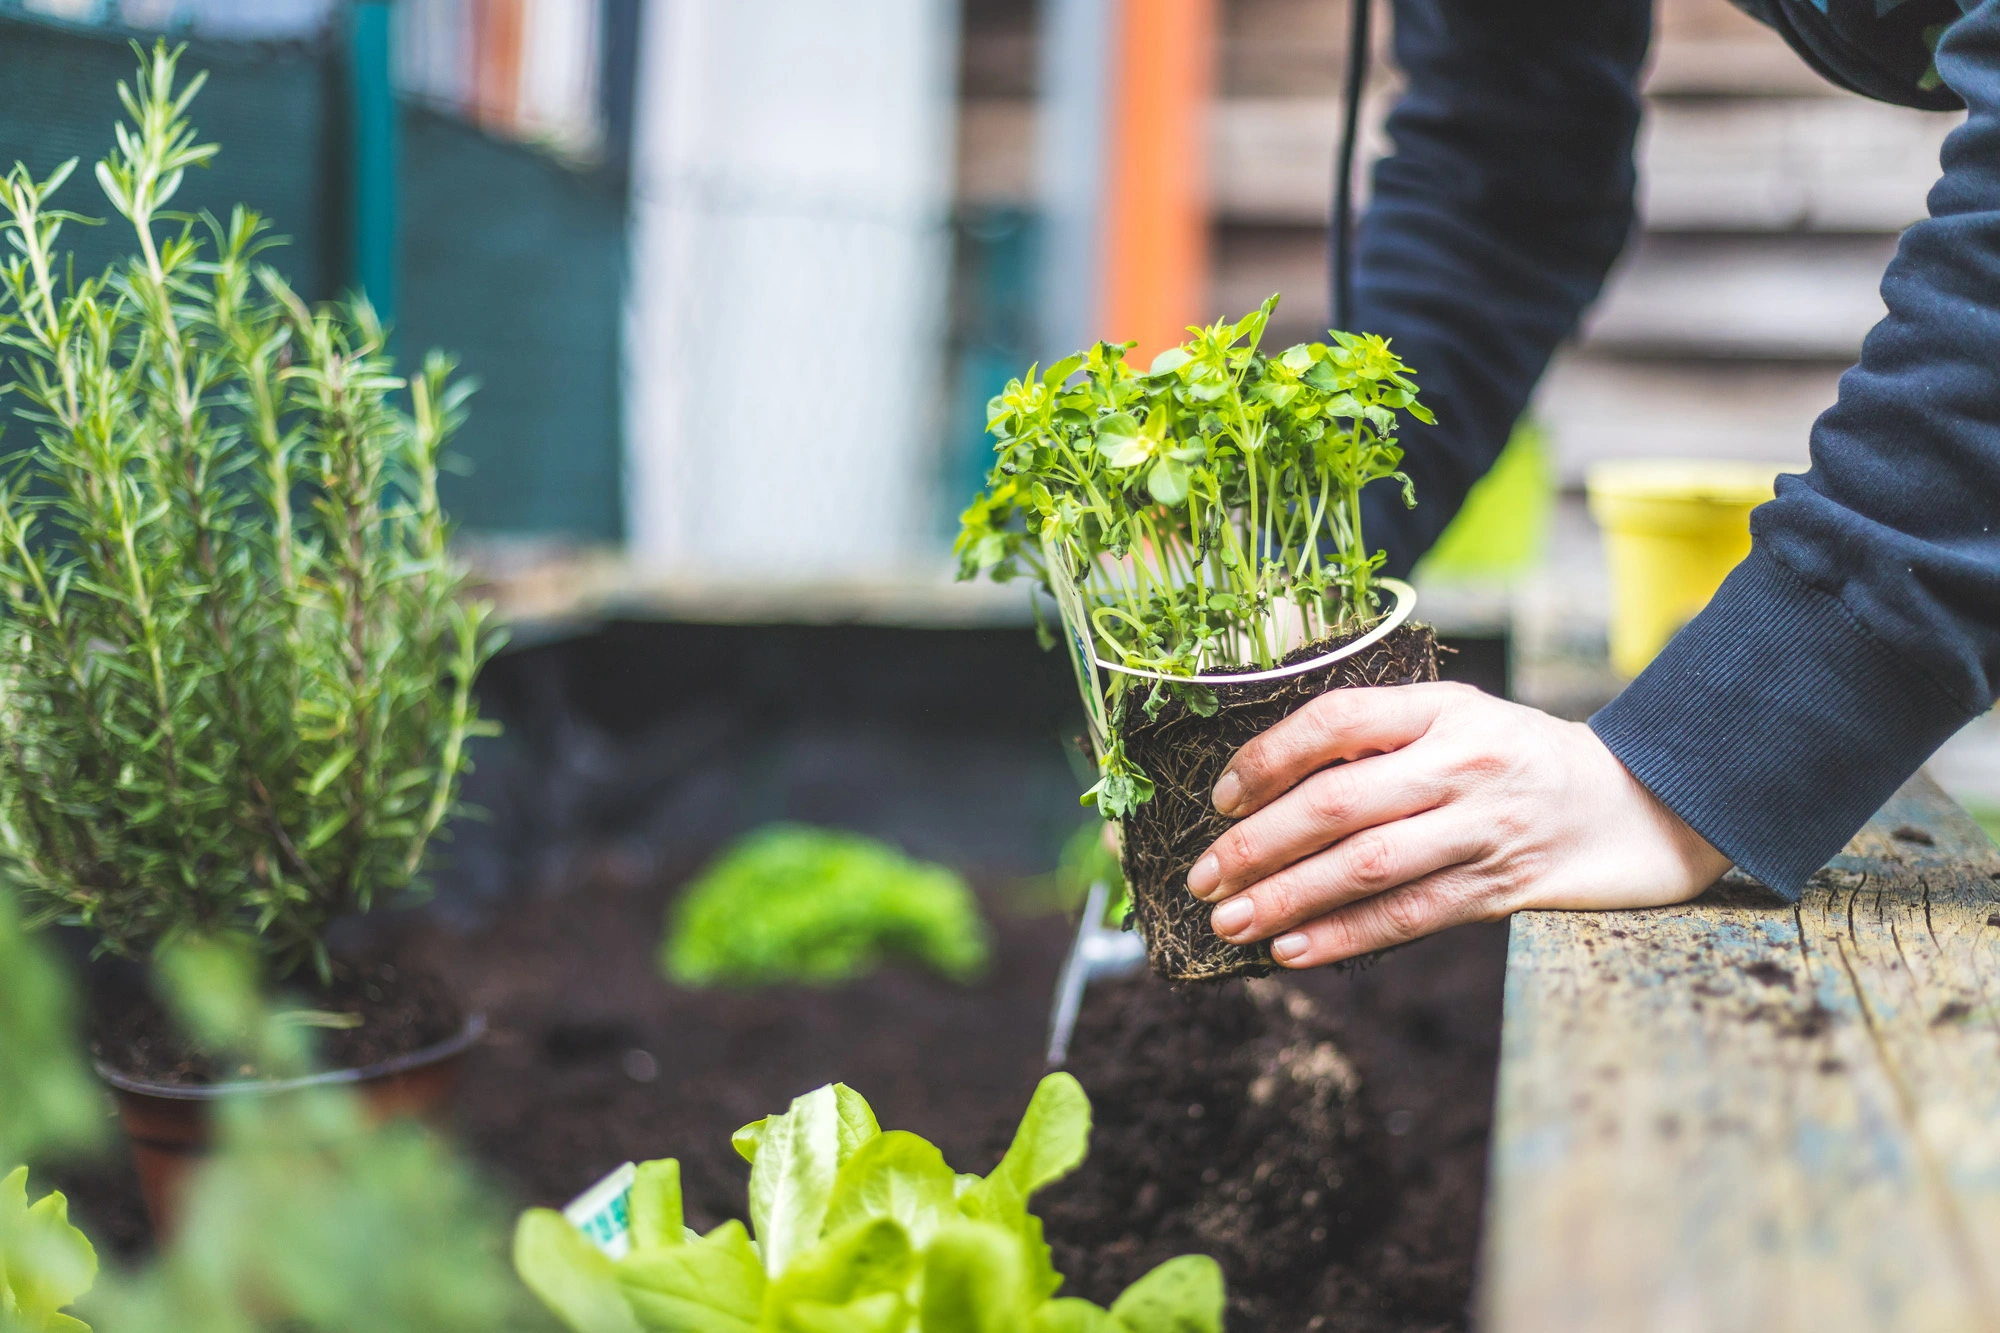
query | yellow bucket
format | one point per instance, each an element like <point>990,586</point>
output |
<point>1673,529</point>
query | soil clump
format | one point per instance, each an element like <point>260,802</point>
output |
<point>1227,1121</point>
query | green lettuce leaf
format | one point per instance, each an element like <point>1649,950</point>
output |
<point>975,1282</point>
<point>1182,1295</point>
<point>45,1263</point>
<point>711,1285</point>
<point>655,1206</point>
<point>575,1279</point>
<point>791,1177</point>
<point>1053,1137</point>
<point>900,1176</point>
<point>866,1259</point>
<point>1070,1315</point>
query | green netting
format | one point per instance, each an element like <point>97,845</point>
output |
<point>509,259</point>
<point>517,263</point>
<point>270,106</point>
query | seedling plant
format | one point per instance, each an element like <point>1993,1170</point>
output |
<point>854,1229</point>
<point>1200,516</point>
<point>792,903</point>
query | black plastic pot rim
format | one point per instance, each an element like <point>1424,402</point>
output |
<point>463,1040</point>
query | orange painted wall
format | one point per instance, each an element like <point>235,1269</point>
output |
<point>1156,208</point>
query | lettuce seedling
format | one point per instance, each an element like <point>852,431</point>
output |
<point>1203,514</point>
<point>791,903</point>
<point>45,1263</point>
<point>857,1230</point>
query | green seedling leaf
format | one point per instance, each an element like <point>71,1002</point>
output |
<point>1121,442</point>
<point>654,1210</point>
<point>711,1285</point>
<point>791,1178</point>
<point>1068,1314</point>
<point>1168,481</point>
<point>1200,699</point>
<point>1183,1295</point>
<point>1169,361</point>
<point>897,1176</point>
<point>574,1278</point>
<point>1060,372</point>
<point>975,1282</point>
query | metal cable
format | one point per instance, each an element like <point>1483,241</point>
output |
<point>1343,179</point>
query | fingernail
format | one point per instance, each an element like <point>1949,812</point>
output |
<point>1287,947</point>
<point>1228,791</point>
<point>1207,873</point>
<point>1232,916</point>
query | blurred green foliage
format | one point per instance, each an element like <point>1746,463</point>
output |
<point>45,1263</point>
<point>1503,527</point>
<point>48,1100</point>
<point>791,903</point>
<point>306,1220</point>
<point>1084,860</point>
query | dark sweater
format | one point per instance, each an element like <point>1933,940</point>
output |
<point>1864,628</point>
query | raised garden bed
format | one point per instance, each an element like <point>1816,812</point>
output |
<point>593,1061</point>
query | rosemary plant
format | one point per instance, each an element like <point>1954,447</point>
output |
<point>1203,514</point>
<point>235,668</point>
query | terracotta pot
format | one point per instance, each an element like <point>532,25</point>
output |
<point>169,1125</point>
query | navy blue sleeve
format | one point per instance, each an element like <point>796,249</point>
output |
<point>1492,224</point>
<point>1864,628</point>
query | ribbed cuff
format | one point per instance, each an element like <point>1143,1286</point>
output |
<point>1775,723</point>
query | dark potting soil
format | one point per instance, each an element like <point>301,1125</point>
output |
<point>403,1005</point>
<point>1236,1120</point>
<point>1226,1121</point>
<point>593,1060</point>
<point>1184,753</point>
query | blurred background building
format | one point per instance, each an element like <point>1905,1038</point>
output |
<point>738,276</point>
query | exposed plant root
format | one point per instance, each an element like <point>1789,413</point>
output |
<point>1184,753</point>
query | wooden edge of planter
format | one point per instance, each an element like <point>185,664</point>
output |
<point>1742,1113</point>
<point>468,1036</point>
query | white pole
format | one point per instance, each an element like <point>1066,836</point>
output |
<point>785,322</point>
<point>1071,137</point>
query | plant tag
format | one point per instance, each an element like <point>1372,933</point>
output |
<point>603,1213</point>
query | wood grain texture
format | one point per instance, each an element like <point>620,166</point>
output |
<point>1741,1114</point>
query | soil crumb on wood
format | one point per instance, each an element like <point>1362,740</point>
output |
<point>1184,753</point>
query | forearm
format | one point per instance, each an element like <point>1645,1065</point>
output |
<point>1865,626</point>
<point>1494,222</point>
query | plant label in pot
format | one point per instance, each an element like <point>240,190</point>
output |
<point>1197,526</point>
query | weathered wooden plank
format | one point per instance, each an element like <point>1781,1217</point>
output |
<point>1740,1114</point>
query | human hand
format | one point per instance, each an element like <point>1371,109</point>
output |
<point>1453,806</point>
